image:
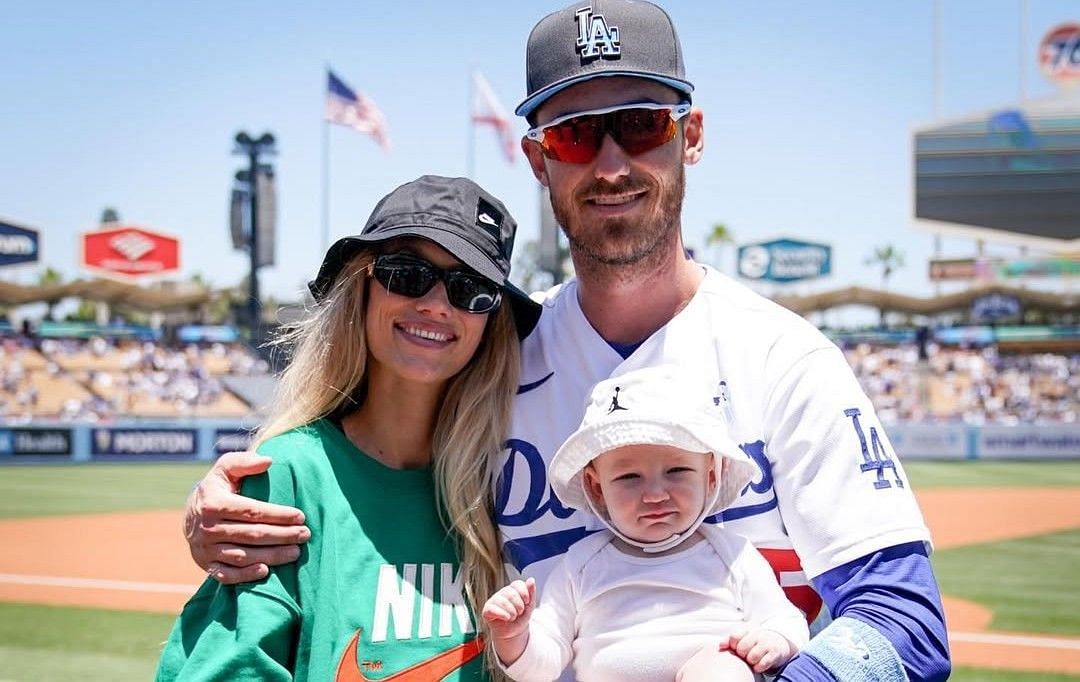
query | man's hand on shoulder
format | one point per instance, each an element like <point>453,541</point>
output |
<point>235,538</point>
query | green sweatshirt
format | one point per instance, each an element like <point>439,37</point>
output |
<point>376,591</point>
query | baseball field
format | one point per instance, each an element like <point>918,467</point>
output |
<point>93,568</point>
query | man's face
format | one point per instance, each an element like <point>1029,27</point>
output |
<point>616,209</point>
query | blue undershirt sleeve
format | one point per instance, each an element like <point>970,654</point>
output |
<point>894,592</point>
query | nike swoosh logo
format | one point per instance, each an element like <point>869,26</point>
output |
<point>525,388</point>
<point>433,669</point>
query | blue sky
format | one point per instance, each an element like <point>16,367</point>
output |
<point>809,112</point>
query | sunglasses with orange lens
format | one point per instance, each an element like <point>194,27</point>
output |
<point>637,128</point>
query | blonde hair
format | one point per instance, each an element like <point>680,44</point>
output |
<point>327,375</point>
<point>328,356</point>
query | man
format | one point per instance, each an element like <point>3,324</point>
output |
<point>831,509</point>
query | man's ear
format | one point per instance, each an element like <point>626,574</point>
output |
<point>592,487</point>
<point>693,136</point>
<point>535,155</point>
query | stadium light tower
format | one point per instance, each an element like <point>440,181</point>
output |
<point>253,148</point>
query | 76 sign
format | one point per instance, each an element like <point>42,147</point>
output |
<point>1059,53</point>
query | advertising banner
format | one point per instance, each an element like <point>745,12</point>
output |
<point>207,333</point>
<point>33,442</point>
<point>1059,54</point>
<point>130,252</point>
<point>928,441</point>
<point>1040,267</point>
<point>960,269</point>
<point>139,442</point>
<point>18,244</point>
<point>1028,441</point>
<point>971,335</point>
<point>994,307</point>
<point>784,260</point>
<point>966,269</point>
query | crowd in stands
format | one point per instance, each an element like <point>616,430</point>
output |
<point>972,385</point>
<point>101,379</point>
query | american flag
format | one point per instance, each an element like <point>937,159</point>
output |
<point>487,110</point>
<point>354,110</point>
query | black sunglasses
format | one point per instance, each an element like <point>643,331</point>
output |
<point>408,275</point>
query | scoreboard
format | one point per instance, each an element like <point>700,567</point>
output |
<point>1012,172</point>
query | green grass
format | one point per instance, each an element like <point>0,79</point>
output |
<point>51,490</point>
<point>980,675</point>
<point>44,643</point>
<point>61,643</point>
<point>1030,583</point>
<point>981,474</point>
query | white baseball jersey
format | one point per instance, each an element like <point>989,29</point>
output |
<point>829,487</point>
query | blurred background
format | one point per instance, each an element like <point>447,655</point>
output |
<point>905,175</point>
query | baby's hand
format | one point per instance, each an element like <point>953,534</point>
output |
<point>762,649</point>
<point>507,611</point>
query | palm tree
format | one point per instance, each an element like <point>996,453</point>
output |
<point>109,215</point>
<point>199,280</point>
<point>890,259</point>
<point>49,277</point>
<point>719,237</point>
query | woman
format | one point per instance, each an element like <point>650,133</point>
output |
<point>397,394</point>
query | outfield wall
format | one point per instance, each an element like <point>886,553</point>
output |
<point>164,440</point>
<point>180,440</point>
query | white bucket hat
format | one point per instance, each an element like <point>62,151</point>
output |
<point>663,405</point>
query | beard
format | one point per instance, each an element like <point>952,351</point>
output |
<point>614,242</point>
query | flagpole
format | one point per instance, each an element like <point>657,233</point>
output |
<point>325,175</point>
<point>470,153</point>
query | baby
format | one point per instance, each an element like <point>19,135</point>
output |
<point>659,594</point>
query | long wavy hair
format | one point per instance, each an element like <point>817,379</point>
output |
<point>327,375</point>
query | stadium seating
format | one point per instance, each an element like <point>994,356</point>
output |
<point>97,379</point>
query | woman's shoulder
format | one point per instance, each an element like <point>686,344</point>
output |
<point>297,442</point>
<point>300,452</point>
<point>297,454</point>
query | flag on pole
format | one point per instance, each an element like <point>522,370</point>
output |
<point>354,110</point>
<point>487,110</point>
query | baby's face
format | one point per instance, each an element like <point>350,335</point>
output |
<point>651,492</point>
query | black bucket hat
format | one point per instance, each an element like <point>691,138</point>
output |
<point>455,213</point>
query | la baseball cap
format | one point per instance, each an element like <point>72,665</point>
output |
<point>598,38</point>
<point>454,213</point>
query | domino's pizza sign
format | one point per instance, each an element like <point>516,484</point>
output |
<point>784,260</point>
<point>1059,54</point>
<point>18,244</point>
